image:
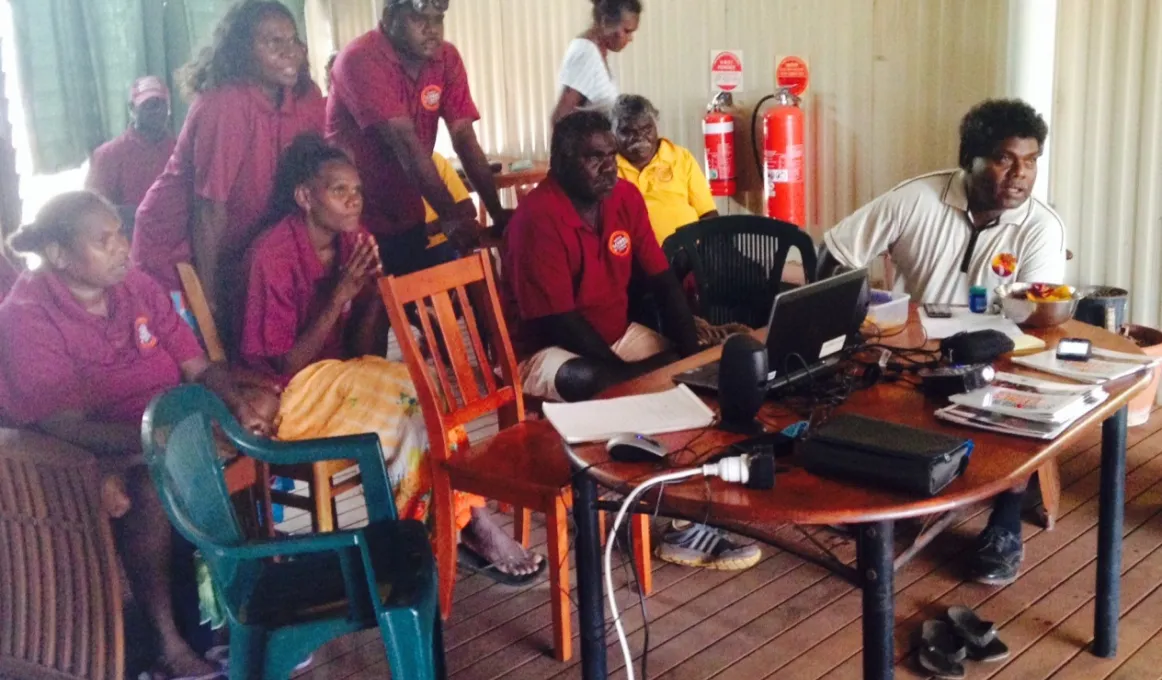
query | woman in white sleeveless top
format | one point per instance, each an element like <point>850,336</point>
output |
<point>584,78</point>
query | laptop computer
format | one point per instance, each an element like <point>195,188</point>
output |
<point>809,328</point>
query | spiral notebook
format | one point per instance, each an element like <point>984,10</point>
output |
<point>657,413</point>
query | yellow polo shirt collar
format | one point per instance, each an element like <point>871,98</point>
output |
<point>675,190</point>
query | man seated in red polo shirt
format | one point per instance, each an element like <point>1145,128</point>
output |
<point>570,252</point>
<point>123,169</point>
<point>390,87</point>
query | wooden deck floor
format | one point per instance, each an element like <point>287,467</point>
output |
<point>786,618</point>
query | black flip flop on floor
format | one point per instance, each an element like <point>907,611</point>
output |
<point>941,651</point>
<point>980,635</point>
<point>472,560</point>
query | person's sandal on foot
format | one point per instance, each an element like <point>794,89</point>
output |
<point>980,637</point>
<point>698,545</point>
<point>477,563</point>
<point>941,651</point>
<point>997,561</point>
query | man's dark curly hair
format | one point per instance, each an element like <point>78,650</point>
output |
<point>229,56</point>
<point>570,131</point>
<point>993,121</point>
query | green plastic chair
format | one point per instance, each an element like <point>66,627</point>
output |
<point>285,597</point>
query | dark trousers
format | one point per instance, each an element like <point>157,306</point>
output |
<point>407,252</point>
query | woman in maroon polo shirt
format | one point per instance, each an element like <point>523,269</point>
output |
<point>313,319</point>
<point>252,96</point>
<point>85,344</point>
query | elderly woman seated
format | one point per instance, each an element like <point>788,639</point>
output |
<point>85,343</point>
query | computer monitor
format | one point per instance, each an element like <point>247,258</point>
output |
<point>809,327</point>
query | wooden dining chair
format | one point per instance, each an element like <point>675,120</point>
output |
<point>243,473</point>
<point>524,464</point>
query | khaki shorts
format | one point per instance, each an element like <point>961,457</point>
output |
<point>538,373</point>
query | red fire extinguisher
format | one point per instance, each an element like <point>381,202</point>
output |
<point>782,159</point>
<point>718,130</point>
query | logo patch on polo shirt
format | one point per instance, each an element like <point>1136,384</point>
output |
<point>665,174</point>
<point>1004,264</point>
<point>430,97</point>
<point>619,243</point>
<point>145,338</point>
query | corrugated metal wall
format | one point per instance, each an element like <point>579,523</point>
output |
<point>1107,145</point>
<point>890,79</point>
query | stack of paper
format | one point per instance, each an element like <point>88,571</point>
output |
<point>589,421</point>
<point>1028,407</point>
<point>1103,365</point>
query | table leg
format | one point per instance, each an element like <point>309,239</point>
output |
<point>874,550</point>
<point>590,606</point>
<point>1109,534</point>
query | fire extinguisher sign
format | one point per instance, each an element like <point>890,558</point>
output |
<point>792,73</point>
<point>726,71</point>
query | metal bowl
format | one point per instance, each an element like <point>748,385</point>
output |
<point>1033,314</point>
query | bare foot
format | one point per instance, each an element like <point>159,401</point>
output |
<point>182,662</point>
<point>486,539</point>
<point>114,498</point>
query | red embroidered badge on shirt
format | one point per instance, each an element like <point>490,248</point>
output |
<point>145,338</point>
<point>619,243</point>
<point>430,97</point>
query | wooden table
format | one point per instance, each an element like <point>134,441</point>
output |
<point>520,182</point>
<point>999,462</point>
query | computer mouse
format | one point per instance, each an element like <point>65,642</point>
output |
<point>635,448</point>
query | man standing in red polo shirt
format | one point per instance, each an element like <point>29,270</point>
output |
<point>123,169</point>
<point>390,87</point>
<point>570,252</point>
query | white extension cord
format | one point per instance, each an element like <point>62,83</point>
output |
<point>734,469</point>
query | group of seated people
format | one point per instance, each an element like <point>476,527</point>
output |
<point>289,230</point>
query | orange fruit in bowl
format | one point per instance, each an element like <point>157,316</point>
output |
<point>1047,292</point>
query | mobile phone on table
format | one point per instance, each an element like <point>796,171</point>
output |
<point>1074,349</point>
<point>938,310</point>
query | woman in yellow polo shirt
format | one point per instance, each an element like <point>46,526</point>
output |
<point>668,175</point>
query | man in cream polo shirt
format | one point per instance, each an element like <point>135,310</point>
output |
<point>944,230</point>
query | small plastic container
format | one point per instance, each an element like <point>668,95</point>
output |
<point>887,310</point>
<point>978,299</point>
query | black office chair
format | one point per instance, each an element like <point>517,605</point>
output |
<point>737,263</point>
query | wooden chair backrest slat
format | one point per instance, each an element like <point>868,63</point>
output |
<point>200,308</point>
<point>477,390</point>
<point>454,344</point>
<point>482,358</point>
<point>433,346</point>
